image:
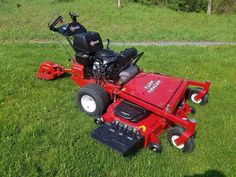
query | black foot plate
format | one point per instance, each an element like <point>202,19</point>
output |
<point>119,137</point>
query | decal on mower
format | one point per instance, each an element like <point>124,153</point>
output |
<point>73,28</point>
<point>92,43</point>
<point>152,85</point>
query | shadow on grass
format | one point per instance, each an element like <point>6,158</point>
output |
<point>65,75</point>
<point>208,173</point>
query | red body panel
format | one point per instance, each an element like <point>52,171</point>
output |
<point>49,70</point>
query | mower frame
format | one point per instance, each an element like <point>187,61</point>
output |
<point>166,117</point>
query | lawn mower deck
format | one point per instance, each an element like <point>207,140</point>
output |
<point>132,107</point>
<point>143,121</point>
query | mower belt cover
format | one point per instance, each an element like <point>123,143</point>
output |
<point>119,137</point>
<point>131,112</point>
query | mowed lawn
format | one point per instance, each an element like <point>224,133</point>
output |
<point>23,20</point>
<point>42,132</point>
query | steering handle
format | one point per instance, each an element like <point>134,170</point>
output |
<point>53,23</point>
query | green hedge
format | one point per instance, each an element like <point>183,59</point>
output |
<point>219,6</point>
<point>182,5</point>
<point>188,5</point>
<point>146,2</point>
<point>224,6</point>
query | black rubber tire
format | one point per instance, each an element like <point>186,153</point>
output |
<point>204,99</point>
<point>188,145</point>
<point>193,110</point>
<point>98,94</point>
<point>155,147</point>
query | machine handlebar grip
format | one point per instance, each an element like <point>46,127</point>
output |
<point>54,23</point>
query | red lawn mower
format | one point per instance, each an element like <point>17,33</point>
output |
<point>132,107</point>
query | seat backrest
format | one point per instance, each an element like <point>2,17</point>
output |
<point>88,42</point>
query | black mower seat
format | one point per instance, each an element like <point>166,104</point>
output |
<point>131,112</point>
<point>88,42</point>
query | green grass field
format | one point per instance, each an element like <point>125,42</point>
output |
<point>133,22</point>
<point>44,134</point>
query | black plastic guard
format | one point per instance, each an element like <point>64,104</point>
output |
<point>131,112</point>
<point>119,137</point>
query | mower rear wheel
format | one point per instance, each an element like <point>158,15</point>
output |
<point>155,147</point>
<point>93,99</point>
<point>193,92</point>
<point>174,133</point>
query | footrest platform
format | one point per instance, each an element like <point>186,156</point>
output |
<point>119,136</point>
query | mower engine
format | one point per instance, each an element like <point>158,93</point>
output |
<point>108,64</point>
<point>100,63</point>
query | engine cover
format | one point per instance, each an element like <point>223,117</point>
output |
<point>105,56</point>
<point>153,89</point>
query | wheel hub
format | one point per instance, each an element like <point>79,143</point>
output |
<point>175,137</point>
<point>88,103</point>
<point>194,100</point>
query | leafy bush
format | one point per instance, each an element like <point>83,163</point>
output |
<point>219,6</point>
<point>3,1</point>
<point>146,2</point>
<point>182,5</point>
<point>64,0</point>
<point>226,6</point>
<point>188,5</point>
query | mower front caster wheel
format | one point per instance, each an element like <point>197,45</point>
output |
<point>174,133</point>
<point>193,92</point>
<point>93,99</point>
<point>192,109</point>
<point>155,147</point>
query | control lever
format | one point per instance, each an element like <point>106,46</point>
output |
<point>73,16</point>
<point>108,43</point>
<point>54,23</point>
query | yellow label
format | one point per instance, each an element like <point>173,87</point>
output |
<point>143,128</point>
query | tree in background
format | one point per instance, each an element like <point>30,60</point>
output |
<point>119,3</point>
<point>209,7</point>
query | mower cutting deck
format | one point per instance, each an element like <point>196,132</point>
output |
<point>132,107</point>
